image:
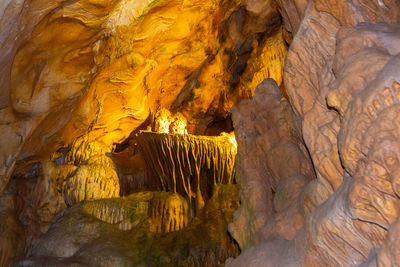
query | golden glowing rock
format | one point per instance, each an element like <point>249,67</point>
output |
<point>168,212</point>
<point>165,122</point>
<point>231,137</point>
<point>86,172</point>
<point>162,121</point>
<point>104,66</point>
<point>267,61</point>
<point>188,164</point>
<point>93,181</point>
<point>178,126</point>
<point>87,151</point>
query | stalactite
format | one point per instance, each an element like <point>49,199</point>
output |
<point>188,164</point>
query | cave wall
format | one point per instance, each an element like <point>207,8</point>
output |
<point>78,77</point>
<point>317,165</point>
<point>74,67</point>
<point>341,75</point>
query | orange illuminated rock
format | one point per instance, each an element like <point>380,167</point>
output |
<point>265,62</point>
<point>104,66</point>
<point>188,164</point>
<point>85,173</point>
<point>318,166</point>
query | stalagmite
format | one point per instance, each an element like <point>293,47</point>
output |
<point>85,172</point>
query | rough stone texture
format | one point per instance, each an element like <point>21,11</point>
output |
<point>267,141</point>
<point>85,172</point>
<point>103,67</point>
<point>266,61</point>
<point>320,185</point>
<point>342,80</point>
<point>188,164</point>
<point>11,230</point>
<point>80,239</point>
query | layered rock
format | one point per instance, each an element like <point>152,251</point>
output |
<point>104,67</point>
<point>319,186</point>
<point>120,233</point>
<point>342,83</point>
<point>273,167</point>
<point>266,61</point>
<point>169,212</point>
<point>86,172</point>
<point>188,164</point>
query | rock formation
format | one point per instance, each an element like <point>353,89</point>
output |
<point>268,187</point>
<point>105,108</point>
<point>341,79</point>
<point>123,234</point>
<point>188,164</point>
<point>88,66</point>
<point>93,177</point>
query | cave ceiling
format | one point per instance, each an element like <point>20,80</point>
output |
<point>104,67</point>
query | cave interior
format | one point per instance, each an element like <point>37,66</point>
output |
<point>200,133</point>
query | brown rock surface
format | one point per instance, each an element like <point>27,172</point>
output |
<point>265,136</point>
<point>342,83</point>
<point>317,165</point>
<point>104,66</point>
<point>119,234</point>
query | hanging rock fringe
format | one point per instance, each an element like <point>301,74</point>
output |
<point>188,164</point>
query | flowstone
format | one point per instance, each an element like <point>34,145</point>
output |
<point>85,172</point>
<point>92,233</point>
<point>188,164</point>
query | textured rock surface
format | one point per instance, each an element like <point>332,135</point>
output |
<point>318,165</point>
<point>265,136</point>
<point>81,239</point>
<point>86,172</point>
<point>342,80</point>
<point>188,164</point>
<point>105,66</point>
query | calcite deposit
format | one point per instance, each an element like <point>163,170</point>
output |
<point>189,164</point>
<point>341,75</point>
<point>107,110</point>
<point>267,141</point>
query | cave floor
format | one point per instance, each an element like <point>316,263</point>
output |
<point>81,236</point>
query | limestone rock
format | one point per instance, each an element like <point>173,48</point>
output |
<point>126,212</point>
<point>82,239</point>
<point>269,152</point>
<point>11,230</point>
<point>318,164</point>
<point>188,164</point>
<point>92,181</point>
<point>168,213</point>
<point>347,107</point>
<point>85,172</point>
<point>104,67</point>
<point>265,62</point>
